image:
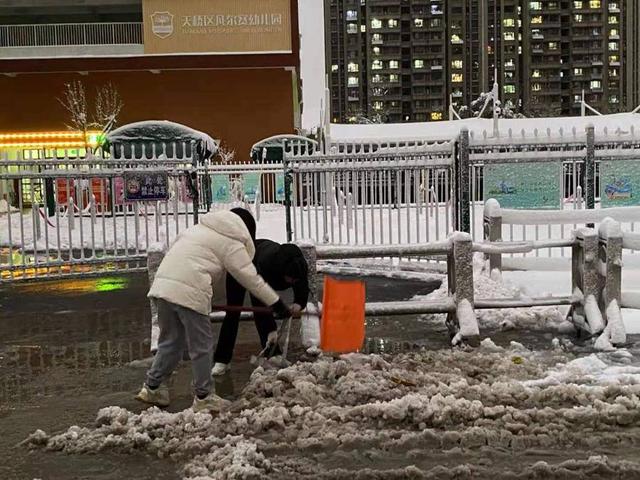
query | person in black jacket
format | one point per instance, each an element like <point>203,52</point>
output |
<point>282,267</point>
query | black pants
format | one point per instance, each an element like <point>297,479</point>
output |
<point>265,323</point>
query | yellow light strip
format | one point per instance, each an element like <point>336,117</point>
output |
<point>51,135</point>
<point>46,144</point>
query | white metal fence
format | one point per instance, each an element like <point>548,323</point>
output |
<point>372,194</point>
<point>71,34</point>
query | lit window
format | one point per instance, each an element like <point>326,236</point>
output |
<point>614,59</point>
<point>394,78</point>
<point>455,38</point>
<point>578,18</point>
<point>456,77</point>
<point>509,89</point>
<point>613,6</point>
<point>377,78</point>
<point>553,45</point>
<point>613,72</point>
<point>577,71</point>
<point>375,23</point>
<point>613,46</point>
<point>535,5</point>
<point>509,36</point>
<point>613,20</point>
<point>577,4</point>
<point>536,74</point>
<point>594,4</point>
<point>456,64</point>
<point>353,67</point>
<point>378,105</point>
<point>376,65</point>
<point>394,64</point>
<point>376,39</point>
<point>509,63</point>
<point>436,115</point>
<point>352,14</point>
<point>418,22</point>
<point>352,81</point>
<point>363,28</point>
<point>376,50</point>
<point>577,98</point>
<point>509,22</point>
<point>435,22</point>
<point>595,84</point>
<point>613,32</point>
<point>352,28</point>
<point>537,19</point>
<point>536,87</point>
<point>392,23</point>
<point>614,99</point>
<point>418,64</point>
<point>334,68</point>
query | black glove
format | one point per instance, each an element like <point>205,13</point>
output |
<point>280,310</point>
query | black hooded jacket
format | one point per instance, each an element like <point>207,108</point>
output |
<point>274,261</point>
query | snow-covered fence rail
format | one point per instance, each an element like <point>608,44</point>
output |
<point>631,298</point>
<point>499,223</point>
<point>592,309</point>
<point>68,216</point>
<point>371,194</point>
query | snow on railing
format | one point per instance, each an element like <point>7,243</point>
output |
<point>460,302</point>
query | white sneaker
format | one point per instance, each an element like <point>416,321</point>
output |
<point>158,397</point>
<point>220,368</point>
<point>211,403</point>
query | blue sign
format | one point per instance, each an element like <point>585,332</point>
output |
<point>220,188</point>
<point>280,187</point>
<point>619,183</point>
<point>146,186</point>
<point>524,185</point>
<point>250,185</point>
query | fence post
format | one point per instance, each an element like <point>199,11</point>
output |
<point>288,179</point>
<point>590,171</point>
<point>584,277</point>
<point>309,253</point>
<point>460,270</point>
<point>35,213</point>
<point>70,213</point>
<point>611,255</point>
<point>492,227</point>
<point>462,181</point>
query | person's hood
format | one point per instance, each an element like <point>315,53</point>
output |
<point>230,225</point>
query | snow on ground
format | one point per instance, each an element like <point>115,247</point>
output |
<point>492,412</point>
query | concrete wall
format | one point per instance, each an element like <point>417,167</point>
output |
<point>238,106</point>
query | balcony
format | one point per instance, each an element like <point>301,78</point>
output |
<point>70,39</point>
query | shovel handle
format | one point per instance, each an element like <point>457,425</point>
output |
<point>240,308</point>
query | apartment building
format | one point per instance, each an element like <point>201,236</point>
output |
<point>228,71</point>
<point>409,60</point>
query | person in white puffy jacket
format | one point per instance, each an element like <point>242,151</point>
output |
<point>183,289</point>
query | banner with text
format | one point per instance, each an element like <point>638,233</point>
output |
<point>524,185</point>
<point>619,183</point>
<point>223,26</point>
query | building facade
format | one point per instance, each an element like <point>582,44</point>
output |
<point>230,72</point>
<point>409,60</point>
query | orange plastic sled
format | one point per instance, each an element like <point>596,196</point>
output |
<point>342,325</point>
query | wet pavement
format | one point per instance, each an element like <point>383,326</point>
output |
<point>69,348</point>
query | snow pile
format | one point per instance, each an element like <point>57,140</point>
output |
<point>491,286</point>
<point>410,415</point>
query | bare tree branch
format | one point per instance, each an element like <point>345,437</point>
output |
<point>74,101</point>
<point>107,108</point>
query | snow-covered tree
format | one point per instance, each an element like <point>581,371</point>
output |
<point>106,108</point>
<point>482,107</point>
<point>225,154</point>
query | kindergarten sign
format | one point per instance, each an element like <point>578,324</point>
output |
<point>524,185</point>
<point>619,183</point>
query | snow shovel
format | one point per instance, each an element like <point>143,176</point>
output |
<point>283,334</point>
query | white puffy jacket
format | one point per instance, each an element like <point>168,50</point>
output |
<point>200,258</point>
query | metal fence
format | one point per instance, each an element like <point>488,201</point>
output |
<point>371,193</point>
<point>71,34</point>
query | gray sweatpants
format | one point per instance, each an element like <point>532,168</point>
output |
<point>180,327</point>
